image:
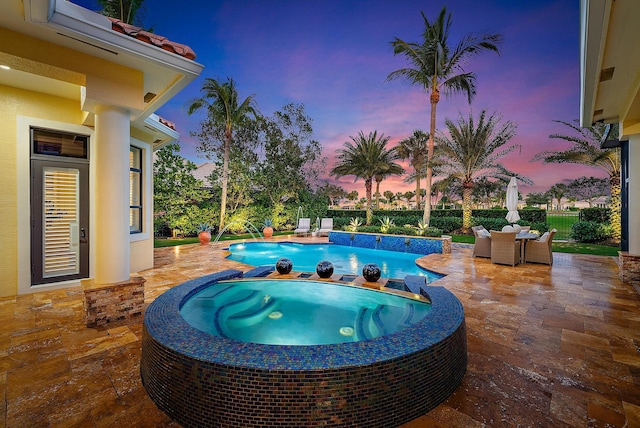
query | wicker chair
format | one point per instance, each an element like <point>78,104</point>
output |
<point>505,249</point>
<point>539,251</point>
<point>482,247</point>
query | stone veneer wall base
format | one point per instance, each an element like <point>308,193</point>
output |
<point>106,303</point>
<point>629,265</point>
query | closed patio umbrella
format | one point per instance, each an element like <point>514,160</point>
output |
<point>512,201</point>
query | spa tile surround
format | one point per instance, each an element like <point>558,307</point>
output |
<point>200,379</point>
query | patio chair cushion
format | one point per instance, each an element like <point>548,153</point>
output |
<point>544,237</point>
<point>484,233</point>
<point>508,228</point>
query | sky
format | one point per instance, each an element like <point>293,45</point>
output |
<point>334,57</point>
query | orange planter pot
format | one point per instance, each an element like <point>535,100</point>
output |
<point>267,232</point>
<point>204,238</point>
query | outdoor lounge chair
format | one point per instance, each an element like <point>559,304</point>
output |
<point>539,251</point>
<point>482,247</point>
<point>504,248</point>
<point>326,226</point>
<point>304,226</point>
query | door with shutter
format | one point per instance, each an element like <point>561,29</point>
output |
<point>59,221</point>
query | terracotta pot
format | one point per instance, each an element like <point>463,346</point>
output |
<point>204,238</point>
<point>267,232</point>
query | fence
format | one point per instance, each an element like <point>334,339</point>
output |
<point>562,222</point>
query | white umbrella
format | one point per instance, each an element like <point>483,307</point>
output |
<point>512,201</point>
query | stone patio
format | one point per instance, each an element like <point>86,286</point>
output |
<point>548,347</point>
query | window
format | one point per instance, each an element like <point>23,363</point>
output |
<point>135,190</point>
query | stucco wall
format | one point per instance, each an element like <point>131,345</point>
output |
<point>18,102</point>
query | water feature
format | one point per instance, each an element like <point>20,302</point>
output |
<point>246,225</point>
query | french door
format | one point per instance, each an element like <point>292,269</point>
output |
<point>59,220</point>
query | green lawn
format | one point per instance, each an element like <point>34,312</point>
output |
<point>562,222</point>
<point>560,247</point>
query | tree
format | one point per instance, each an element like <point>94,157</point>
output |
<point>408,195</point>
<point>389,196</point>
<point>414,148</point>
<point>175,189</point>
<point>435,66</point>
<point>558,191</point>
<point>588,188</point>
<point>472,150</point>
<point>127,11</point>
<point>361,157</point>
<point>537,198</point>
<point>224,112</point>
<point>288,158</point>
<point>352,196</point>
<point>586,151</point>
<point>485,189</point>
<point>334,192</point>
<point>386,167</point>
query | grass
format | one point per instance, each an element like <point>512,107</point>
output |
<point>562,222</point>
<point>559,247</point>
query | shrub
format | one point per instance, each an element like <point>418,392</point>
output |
<point>369,229</point>
<point>597,215</point>
<point>402,230</point>
<point>590,231</point>
<point>447,224</point>
<point>433,232</point>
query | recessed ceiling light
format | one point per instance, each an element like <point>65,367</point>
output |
<point>5,67</point>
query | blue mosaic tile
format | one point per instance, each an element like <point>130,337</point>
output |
<point>365,240</point>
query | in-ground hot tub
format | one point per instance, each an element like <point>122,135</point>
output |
<point>204,379</point>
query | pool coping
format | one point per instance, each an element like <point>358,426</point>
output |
<point>165,324</point>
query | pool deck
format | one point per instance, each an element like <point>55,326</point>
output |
<point>548,346</point>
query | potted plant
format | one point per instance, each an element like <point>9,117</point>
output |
<point>204,233</point>
<point>267,228</point>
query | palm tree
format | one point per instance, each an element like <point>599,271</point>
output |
<point>558,191</point>
<point>586,151</point>
<point>472,150</point>
<point>221,101</point>
<point>124,10</point>
<point>414,148</point>
<point>435,67</point>
<point>386,168</point>
<point>361,157</point>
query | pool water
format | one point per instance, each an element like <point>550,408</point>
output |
<point>345,259</point>
<point>295,312</point>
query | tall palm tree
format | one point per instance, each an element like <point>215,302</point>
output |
<point>472,149</point>
<point>414,148</point>
<point>124,10</point>
<point>586,151</point>
<point>223,109</point>
<point>386,168</point>
<point>361,157</point>
<point>435,66</point>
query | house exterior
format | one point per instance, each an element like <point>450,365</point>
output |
<point>610,93</point>
<point>78,93</point>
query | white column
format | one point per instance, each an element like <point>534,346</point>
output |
<point>111,197</point>
<point>634,194</point>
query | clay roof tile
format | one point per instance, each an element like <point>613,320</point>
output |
<point>152,39</point>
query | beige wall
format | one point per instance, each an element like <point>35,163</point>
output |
<point>18,102</point>
<point>24,107</point>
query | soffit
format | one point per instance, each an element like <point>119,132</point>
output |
<point>612,52</point>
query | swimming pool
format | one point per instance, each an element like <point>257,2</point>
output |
<point>295,312</point>
<point>346,260</point>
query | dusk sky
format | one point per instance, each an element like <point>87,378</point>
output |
<point>334,57</point>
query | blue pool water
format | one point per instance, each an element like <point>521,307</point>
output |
<point>296,312</point>
<point>345,259</point>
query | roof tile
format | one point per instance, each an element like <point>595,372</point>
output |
<point>152,39</point>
